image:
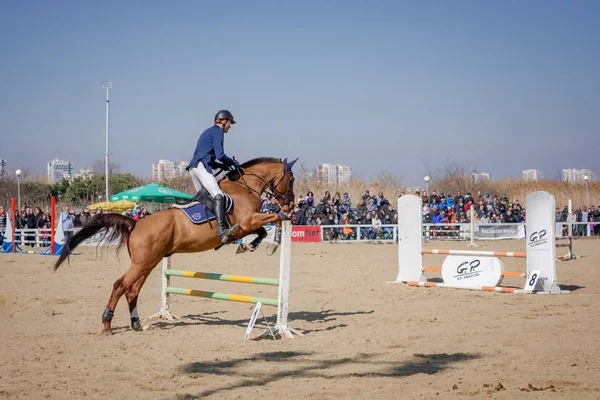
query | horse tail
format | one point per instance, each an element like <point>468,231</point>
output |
<point>113,227</point>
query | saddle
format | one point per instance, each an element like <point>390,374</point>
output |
<point>200,208</point>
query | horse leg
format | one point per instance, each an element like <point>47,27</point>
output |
<point>132,296</point>
<point>259,220</point>
<point>253,245</point>
<point>119,288</point>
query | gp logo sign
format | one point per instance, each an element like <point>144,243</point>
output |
<point>467,268</point>
<point>468,271</point>
<point>165,191</point>
<point>538,238</point>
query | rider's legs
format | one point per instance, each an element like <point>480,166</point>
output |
<point>204,179</point>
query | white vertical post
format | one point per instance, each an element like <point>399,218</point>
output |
<point>165,298</point>
<point>283,296</point>
<point>284,274</point>
<point>570,220</point>
<point>410,239</point>
<point>540,240</point>
<point>472,244</point>
<point>107,87</point>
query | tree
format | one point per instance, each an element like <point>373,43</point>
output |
<point>35,194</point>
<point>181,183</point>
<point>451,177</point>
<point>121,182</point>
<point>77,191</point>
<point>97,167</point>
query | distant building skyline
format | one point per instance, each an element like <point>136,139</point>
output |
<point>480,176</point>
<point>164,170</point>
<point>59,169</point>
<point>2,167</point>
<point>574,175</point>
<point>334,174</point>
<point>532,174</point>
<point>83,173</point>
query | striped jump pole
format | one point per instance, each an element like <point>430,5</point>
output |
<point>223,277</point>
<point>224,296</point>
<point>503,273</point>
<point>283,284</point>
<point>516,254</point>
<point>499,289</point>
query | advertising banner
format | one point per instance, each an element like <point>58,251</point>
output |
<point>499,231</point>
<point>306,233</point>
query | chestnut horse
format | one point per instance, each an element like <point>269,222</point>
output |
<point>170,231</point>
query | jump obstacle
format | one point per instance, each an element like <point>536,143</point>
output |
<point>283,284</point>
<point>57,234</point>
<point>462,265</point>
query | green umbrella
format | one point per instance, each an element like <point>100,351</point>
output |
<point>150,193</point>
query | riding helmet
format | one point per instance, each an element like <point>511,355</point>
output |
<point>224,114</point>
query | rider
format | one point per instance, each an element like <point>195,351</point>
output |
<point>209,149</point>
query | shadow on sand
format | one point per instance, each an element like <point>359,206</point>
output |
<point>214,318</point>
<point>305,365</point>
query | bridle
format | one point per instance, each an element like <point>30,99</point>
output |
<point>271,186</point>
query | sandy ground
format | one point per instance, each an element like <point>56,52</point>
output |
<point>364,338</point>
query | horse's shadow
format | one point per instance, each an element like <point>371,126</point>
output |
<point>307,365</point>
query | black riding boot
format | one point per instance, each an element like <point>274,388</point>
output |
<point>225,232</point>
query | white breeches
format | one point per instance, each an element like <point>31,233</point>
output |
<point>204,179</point>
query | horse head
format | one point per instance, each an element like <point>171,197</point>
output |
<point>284,189</point>
<point>272,174</point>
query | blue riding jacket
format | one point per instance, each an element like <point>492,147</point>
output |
<point>210,148</point>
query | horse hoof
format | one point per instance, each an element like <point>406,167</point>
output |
<point>135,324</point>
<point>271,249</point>
<point>241,249</point>
<point>107,332</point>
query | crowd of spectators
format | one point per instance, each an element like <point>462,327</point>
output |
<point>377,211</point>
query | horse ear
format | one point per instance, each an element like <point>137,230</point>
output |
<point>291,164</point>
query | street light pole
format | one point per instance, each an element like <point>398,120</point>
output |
<point>18,173</point>
<point>426,179</point>
<point>587,193</point>
<point>106,86</point>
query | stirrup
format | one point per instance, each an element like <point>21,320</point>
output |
<point>229,234</point>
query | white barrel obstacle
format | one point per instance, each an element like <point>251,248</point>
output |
<point>283,284</point>
<point>540,252</point>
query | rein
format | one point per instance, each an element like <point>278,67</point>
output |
<point>270,185</point>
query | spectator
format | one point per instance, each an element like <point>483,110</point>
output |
<point>347,231</point>
<point>68,223</point>
<point>595,217</point>
<point>310,199</point>
<point>85,216</point>
<point>509,217</point>
<point>347,200</point>
<point>583,216</point>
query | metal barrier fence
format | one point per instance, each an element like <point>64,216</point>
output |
<point>377,233</point>
<point>447,231</point>
<point>32,237</point>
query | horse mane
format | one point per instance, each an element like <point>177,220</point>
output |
<point>234,175</point>
<point>260,160</point>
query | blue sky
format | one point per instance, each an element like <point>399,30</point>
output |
<point>387,87</point>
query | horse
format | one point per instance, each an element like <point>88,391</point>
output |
<point>170,231</point>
